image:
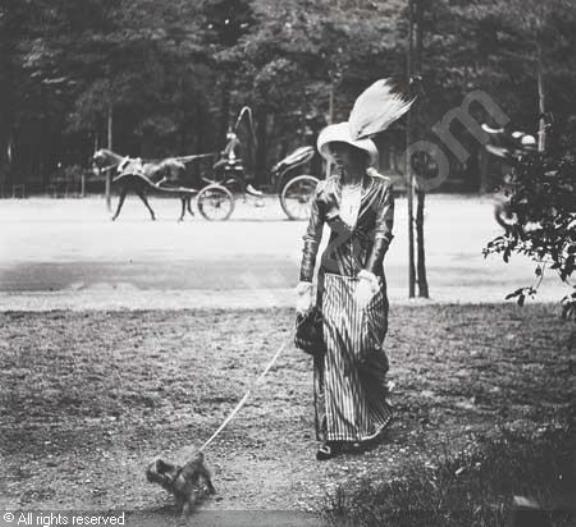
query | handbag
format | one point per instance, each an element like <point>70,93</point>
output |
<point>309,336</point>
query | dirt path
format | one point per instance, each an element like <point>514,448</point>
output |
<point>89,397</point>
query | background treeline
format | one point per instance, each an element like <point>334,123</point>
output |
<point>167,77</point>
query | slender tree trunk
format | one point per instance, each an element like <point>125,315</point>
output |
<point>421,276</point>
<point>541,103</point>
<point>225,122</point>
<point>330,120</point>
<point>109,172</point>
<point>419,40</point>
<point>41,171</point>
<point>260,155</point>
<point>409,172</point>
<point>83,185</point>
<point>200,133</point>
<point>421,252</point>
<point>2,179</point>
<point>183,140</point>
<point>331,103</point>
<point>5,160</point>
<point>96,144</point>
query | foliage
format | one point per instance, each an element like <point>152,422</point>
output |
<point>176,72</point>
<point>542,195</point>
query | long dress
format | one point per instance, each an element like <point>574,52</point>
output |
<point>350,378</point>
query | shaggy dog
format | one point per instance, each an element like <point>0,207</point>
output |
<point>185,483</point>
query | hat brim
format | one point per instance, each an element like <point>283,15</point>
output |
<point>340,133</point>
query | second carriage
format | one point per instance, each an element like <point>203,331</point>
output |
<point>295,190</point>
<point>229,179</point>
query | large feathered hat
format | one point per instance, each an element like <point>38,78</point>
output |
<point>340,133</point>
<point>375,109</point>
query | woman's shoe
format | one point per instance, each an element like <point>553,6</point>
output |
<point>327,451</point>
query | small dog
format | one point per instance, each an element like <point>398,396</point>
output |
<point>185,483</point>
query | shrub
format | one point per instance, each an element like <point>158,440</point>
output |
<point>542,196</point>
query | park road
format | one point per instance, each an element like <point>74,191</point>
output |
<point>66,253</point>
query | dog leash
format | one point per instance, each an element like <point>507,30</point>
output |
<point>250,390</point>
<point>255,384</point>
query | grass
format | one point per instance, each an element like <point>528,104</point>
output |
<point>87,398</point>
<point>472,488</point>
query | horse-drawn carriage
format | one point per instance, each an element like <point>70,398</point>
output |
<point>510,146</point>
<point>229,177</point>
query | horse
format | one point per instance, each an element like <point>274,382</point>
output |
<point>139,177</point>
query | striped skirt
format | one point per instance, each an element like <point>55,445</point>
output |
<point>350,379</point>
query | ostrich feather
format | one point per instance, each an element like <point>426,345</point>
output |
<point>376,108</point>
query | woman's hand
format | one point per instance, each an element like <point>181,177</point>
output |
<point>304,297</point>
<point>367,287</point>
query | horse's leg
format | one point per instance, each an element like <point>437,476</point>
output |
<point>123,192</point>
<point>189,205</point>
<point>183,200</point>
<point>142,196</point>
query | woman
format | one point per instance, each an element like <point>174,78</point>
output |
<point>349,379</point>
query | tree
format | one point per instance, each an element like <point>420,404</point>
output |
<point>417,273</point>
<point>224,23</point>
<point>301,55</point>
<point>543,197</point>
<point>139,60</point>
<point>8,21</point>
<point>176,72</point>
<point>25,107</point>
<point>519,50</point>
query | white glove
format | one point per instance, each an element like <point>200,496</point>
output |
<point>304,297</point>
<point>366,288</point>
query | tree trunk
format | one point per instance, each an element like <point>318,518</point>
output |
<point>201,139</point>
<point>2,180</point>
<point>261,153</point>
<point>541,103</point>
<point>409,173</point>
<point>331,103</point>
<point>419,41</point>
<point>5,161</point>
<point>328,167</point>
<point>225,117</point>
<point>418,270</point>
<point>420,194</point>
<point>109,172</point>
<point>421,261</point>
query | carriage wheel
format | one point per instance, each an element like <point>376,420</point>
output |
<point>215,202</point>
<point>296,197</point>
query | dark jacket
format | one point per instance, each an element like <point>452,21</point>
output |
<point>350,250</point>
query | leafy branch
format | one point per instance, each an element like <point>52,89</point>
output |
<point>542,196</point>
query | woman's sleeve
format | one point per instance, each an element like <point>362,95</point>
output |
<point>382,230</point>
<point>312,238</point>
